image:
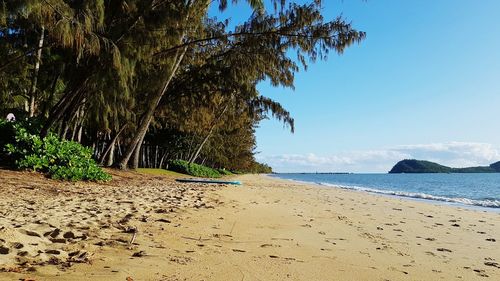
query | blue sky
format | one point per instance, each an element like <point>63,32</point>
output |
<point>424,84</point>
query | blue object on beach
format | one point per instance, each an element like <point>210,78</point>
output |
<point>209,181</point>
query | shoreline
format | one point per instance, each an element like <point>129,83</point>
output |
<point>266,229</point>
<point>387,193</point>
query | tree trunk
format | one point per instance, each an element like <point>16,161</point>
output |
<point>111,155</point>
<point>137,153</point>
<point>111,147</point>
<point>135,143</point>
<point>215,123</point>
<point>45,109</point>
<point>35,74</point>
<point>77,133</point>
<point>155,164</point>
<point>72,97</point>
<point>68,101</point>
<point>163,159</point>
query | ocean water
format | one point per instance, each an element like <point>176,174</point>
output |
<point>467,189</point>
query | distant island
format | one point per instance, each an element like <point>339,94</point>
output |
<point>422,166</point>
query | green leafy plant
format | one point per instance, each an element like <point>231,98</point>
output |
<point>193,169</point>
<point>60,159</point>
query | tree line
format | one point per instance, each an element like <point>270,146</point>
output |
<point>142,82</point>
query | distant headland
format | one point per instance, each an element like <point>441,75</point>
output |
<point>422,166</point>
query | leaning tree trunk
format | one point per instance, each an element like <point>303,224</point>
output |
<point>110,149</point>
<point>214,124</point>
<point>66,104</point>
<point>32,95</point>
<point>136,142</point>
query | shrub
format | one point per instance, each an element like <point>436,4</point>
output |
<point>60,159</point>
<point>192,169</point>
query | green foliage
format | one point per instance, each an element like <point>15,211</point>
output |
<point>111,70</point>
<point>260,168</point>
<point>193,169</point>
<point>60,159</point>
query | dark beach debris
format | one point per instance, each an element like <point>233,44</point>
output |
<point>79,257</point>
<point>270,245</point>
<point>274,256</point>
<point>4,250</point>
<point>163,220</point>
<point>444,250</point>
<point>17,245</point>
<point>100,243</point>
<point>130,229</point>
<point>31,233</point>
<point>126,218</point>
<point>455,225</point>
<point>53,233</point>
<point>58,240</point>
<point>22,253</point>
<point>480,272</point>
<point>492,263</point>
<point>491,240</point>
<point>69,235</point>
<point>53,252</point>
<point>238,250</point>
<point>139,254</point>
<point>163,210</point>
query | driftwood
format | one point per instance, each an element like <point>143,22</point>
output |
<point>134,235</point>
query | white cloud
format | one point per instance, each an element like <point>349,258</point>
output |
<point>455,154</point>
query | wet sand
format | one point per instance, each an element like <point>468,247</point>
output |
<point>152,228</point>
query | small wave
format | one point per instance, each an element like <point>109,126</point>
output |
<point>490,203</point>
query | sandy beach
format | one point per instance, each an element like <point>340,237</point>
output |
<point>140,227</point>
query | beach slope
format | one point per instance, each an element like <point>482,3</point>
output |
<point>267,229</point>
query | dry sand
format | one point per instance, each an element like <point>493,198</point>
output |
<point>152,228</point>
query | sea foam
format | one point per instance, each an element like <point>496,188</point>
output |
<point>466,201</point>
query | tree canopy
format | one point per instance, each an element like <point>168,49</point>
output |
<point>147,81</point>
